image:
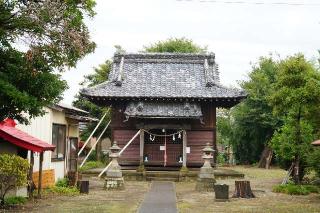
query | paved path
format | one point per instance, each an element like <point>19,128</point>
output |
<point>160,199</point>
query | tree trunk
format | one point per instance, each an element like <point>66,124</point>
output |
<point>266,157</point>
<point>243,190</point>
<point>296,171</point>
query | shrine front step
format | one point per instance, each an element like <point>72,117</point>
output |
<point>162,179</point>
<point>162,176</point>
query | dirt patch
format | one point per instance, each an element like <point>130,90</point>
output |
<point>262,182</point>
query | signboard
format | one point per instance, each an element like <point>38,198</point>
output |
<point>187,149</point>
<point>162,148</point>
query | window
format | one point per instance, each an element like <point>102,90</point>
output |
<point>59,140</point>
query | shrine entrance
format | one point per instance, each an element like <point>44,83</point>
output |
<point>163,147</point>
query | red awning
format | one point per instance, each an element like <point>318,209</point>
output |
<point>22,139</point>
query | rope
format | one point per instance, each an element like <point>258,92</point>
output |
<point>165,135</point>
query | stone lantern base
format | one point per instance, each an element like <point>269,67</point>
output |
<point>205,184</point>
<point>206,180</point>
<point>114,183</point>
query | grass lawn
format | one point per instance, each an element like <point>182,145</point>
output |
<point>98,200</point>
<point>188,200</point>
<point>261,183</point>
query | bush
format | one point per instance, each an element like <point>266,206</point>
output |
<point>92,156</point>
<point>221,158</point>
<point>62,182</point>
<point>313,161</point>
<point>13,173</point>
<point>16,200</point>
<point>61,190</point>
<point>292,189</point>
<point>91,165</point>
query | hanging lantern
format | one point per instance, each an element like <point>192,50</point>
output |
<point>179,136</point>
<point>173,137</point>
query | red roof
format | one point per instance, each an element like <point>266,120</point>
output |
<point>22,139</point>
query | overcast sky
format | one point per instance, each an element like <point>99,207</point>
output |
<point>238,33</point>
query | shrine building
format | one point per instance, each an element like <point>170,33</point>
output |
<point>172,98</point>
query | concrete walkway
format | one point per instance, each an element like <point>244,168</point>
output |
<point>160,199</point>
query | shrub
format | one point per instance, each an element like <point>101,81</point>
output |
<point>292,189</point>
<point>92,156</point>
<point>91,165</point>
<point>313,161</point>
<point>13,173</point>
<point>62,182</point>
<point>221,158</point>
<point>15,200</point>
<point>60,190</point>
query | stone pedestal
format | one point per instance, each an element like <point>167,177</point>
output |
<point>141,173</point>
<point>206,180</point>
<point>114,178</point>
<point>183,173</point>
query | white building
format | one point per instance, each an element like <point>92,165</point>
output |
<point>60,127</point>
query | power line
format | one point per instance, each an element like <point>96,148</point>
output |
<point>257,3</point>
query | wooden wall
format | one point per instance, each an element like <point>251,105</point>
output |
<point>198,134</point>
<point>131,154</point>
<point>197,141</point>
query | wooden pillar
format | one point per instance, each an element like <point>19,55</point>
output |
<point>184,147</point>
<point>40,175</point>
<point>30,187</point>
<point>141,146</point>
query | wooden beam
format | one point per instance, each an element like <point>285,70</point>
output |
<point>184,147</point>
<point>141,146</point>
<point>30,188</point>
<point>40,175</point>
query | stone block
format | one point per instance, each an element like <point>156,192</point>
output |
<point>114,183</point>
<point>205,184</point>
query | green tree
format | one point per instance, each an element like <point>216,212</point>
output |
<point>13,173</point>
<point>54,36</point>
<point>253,123</point>
<point>295,98</point>
<point>175,45</point>
<point>99,76</point>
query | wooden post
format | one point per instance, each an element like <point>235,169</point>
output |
<point>40,175</point>
<point>141,146</point>
<point>184,147</point>
<point>30,186</point>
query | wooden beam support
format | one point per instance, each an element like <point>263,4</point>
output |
<point>40,175</point>
<point>184,149</point>
<point>141,146</point>
<point>30,185</point>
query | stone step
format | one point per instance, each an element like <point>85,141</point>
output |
<point>162,179</point>
<point>163,174</point>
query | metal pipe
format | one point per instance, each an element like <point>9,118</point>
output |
<point>122,150</point>
<point>95,129</point>
<point>105,169</point>
<point>95,144</point>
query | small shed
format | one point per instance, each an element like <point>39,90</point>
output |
<point>15,141</point>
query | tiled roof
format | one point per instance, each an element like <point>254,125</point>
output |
<point>163,110</point>
<point>163,75</point>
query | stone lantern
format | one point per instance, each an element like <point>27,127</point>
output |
<point>114,179</point>
<point>206,180</point>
